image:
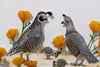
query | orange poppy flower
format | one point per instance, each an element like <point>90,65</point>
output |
<point>98,43</point>
<point>59,41</point>
<point>31,63</point>
<point>99,54</point>
<point>2,51</point>
<point>24,15</point>
<point>95,26</point>
<point>12,33</point>
<point>18,61</point>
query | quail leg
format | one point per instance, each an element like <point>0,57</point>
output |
<point>48,56</point>
<point>75,63</point>
<point>81,63</point>
<point>21,53</point>
<point>54,64</point>
<point>27,55</point>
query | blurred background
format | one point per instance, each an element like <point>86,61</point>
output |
<point>82,13</point>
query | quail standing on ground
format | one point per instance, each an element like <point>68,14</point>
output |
<point>50,52</point>
<point>33,37</point>
<point>76,43</point>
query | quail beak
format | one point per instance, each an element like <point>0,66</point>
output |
<point>44,17</point>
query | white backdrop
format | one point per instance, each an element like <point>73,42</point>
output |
<point>81,11</point>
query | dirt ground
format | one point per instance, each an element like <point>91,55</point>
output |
<point>43,62</point>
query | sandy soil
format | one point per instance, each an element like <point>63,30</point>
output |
<point>43,62</point>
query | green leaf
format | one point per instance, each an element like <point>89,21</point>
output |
<point>94,48</point>
<point>61,49</point>
<point>95,52</point>
<point>0,58</point>
<point>29,23</point>
<point>91,37</point>
<point>99,33</point>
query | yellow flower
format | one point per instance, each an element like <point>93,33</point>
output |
<point>31,63</point>
<point>98,43</point>
<point>99,54</point>
<point>59,41</point>
<point>95,26</point>
<point>24,15</point>
<point>12,33</point>
<point>18,61</point>
<point>2,51</point>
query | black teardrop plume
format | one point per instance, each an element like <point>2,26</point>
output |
<point>63,15</point>
<point>49,13</point>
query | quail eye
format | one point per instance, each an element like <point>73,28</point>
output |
<point>67,21</point>
<point>41,16</point>
<point>55,53</point>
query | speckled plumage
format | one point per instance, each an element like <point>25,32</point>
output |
<point>76,43</point>
<point>50,52</point>
<point>61,63</point>
<point>47,50</point>
<point>33,37</point>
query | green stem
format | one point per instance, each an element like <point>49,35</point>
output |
<point>89,43</point>
<point>27,25</point>
<point>13,42</point>
<point>95,52</point>
<point>0,58</point>
<point>61,49</point>
<point>22,29</point>
<point>92,38</point>
<point>93,49</point>
<point>24,26</point>
<point>10,42</point>
<point>19,66</point>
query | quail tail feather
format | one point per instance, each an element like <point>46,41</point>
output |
<point>10,52</point>
<point>91,58</point>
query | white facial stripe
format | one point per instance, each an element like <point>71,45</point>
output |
<point>39,16</point>
<point>67,19</point>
